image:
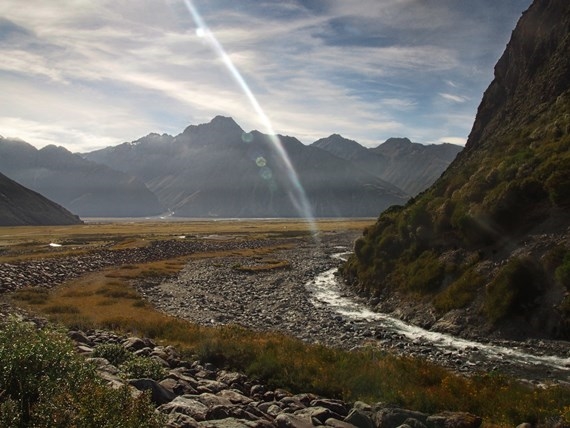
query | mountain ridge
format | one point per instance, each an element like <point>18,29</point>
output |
<point>81,186</point>
<point>409,166</point>
<point>217,169</point>
<point>486,249</point>
<point>20,206</point>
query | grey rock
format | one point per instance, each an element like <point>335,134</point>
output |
<point>335,423</point>
<point>234,396</point>
<point>454,420</point>
<point>285,420</point>
<point>159,394</point>
<point>178,420</point>
<point>392,417</point>
<point>186,405</point>
<point>359,419</point>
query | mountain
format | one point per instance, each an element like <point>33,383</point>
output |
<point>20,206</point>
<point>218,170</point>
<point>409,166</point>
<point>486,249</point>
<point>79,185</point>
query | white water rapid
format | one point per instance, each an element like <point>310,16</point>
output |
<point>326,291</point>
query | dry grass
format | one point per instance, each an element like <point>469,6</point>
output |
<point>25,242</point>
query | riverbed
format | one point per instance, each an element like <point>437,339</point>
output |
<point>305,299</point>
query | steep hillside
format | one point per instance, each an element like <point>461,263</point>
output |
<point>487,247</point>
<point>218,170</point>
<point>81,186</point>
<point>409,166</point>
<point>20,206</point>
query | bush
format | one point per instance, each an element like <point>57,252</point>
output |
<point>562,272</point>
<point>460,293</point>
<point>45,383</point>
<point>115,354</point>
<point>516,285</point>
<point>141,367</point>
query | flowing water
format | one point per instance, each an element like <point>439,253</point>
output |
<point>326,291</point>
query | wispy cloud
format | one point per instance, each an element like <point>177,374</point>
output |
<point>454,98</point>
<point>85,74</point>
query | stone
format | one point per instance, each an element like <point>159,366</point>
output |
<point>159,394</point>
<point>335,423</point>
<point>234,396</point>
<point>335,406</point>
<point>178,420</point>
<point>134,344</point>
<point>392,417</point>
<point>286,420</point>
<point>454,420</point>
<point>320,414</point>
<point>80,337</point>
<point>186,405</point>
<point>359,419</point>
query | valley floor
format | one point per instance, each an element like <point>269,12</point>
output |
<point>271,294</point>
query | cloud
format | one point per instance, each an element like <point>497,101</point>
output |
<point>117,69</point>
<point>454,98</point>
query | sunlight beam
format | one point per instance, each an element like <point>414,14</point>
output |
<point>297,194</point>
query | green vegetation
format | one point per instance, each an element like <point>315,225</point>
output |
<point>45,383</point>
<point>515,286</point>
<point>511,182</point>
<point>132,366</point>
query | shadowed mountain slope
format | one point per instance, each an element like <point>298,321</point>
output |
<point>218,170</point>
<point>20,206</point>
<point>487,248</point>
<point>409,166</point>
<point>81,186</point>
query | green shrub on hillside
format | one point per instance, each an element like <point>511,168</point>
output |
<point>516,285</point>
<point>562,272</point>
<point>459,293</point>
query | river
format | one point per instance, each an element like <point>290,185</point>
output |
<point>326,291</point>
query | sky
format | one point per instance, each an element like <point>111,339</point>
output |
<point>87,74</point>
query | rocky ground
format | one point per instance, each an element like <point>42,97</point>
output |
<point>214,292</point>
<point>217,291</point>
<point>195,395</point>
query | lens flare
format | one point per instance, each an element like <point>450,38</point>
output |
<point>297,193</point>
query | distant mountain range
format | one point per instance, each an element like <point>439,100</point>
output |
<point>83,187</point>
<point>219,170</point>
<point>410,166</point>
<point>20,206</point>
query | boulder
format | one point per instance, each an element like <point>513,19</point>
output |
<point>159,394</point>
<point>286,420</point>
<point>454,420</point>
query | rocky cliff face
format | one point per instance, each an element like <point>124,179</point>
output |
<point>488,244</point>
<point>20,206</point>
<point>218,170</point>
<point>86,188</point>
